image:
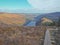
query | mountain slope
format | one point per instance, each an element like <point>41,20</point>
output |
<point>11,19</point>
<point>53,16</point>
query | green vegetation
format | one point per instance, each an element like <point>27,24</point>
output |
<point>49,24</point>
<point>58,23</point>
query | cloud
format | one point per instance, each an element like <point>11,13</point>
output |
<point>46,6</point>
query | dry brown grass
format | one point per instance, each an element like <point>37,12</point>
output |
<point>8,18</point>
<point>16,35</point>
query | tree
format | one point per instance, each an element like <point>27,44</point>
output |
<point>58,24</point>
<point>49,24</point>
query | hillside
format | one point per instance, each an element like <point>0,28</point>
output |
<point>11,19</point>
<point>22,35</point>
<point>51,17</point>
<point>44,20</point>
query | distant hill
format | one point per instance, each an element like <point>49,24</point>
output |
<point>12,19</point>
<point>44,20</point>
<point>53,16</point>
<point>25,19</point>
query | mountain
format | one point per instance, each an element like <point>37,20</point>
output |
<point>26,19</point>
<point>12,19</point>
<point>38,19</point>
<point>53,16</point>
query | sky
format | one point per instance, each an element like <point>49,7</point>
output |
<point>14,4</point>
<point>30,6</point>
<point>46,6</point>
